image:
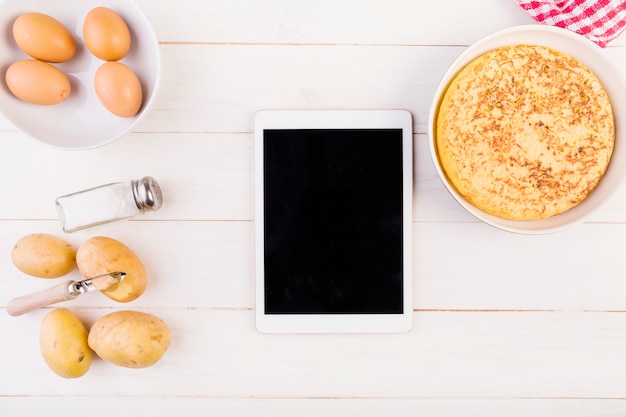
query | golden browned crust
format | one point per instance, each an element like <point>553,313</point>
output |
<point>525,132</point>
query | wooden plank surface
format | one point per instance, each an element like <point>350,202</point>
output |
<point>504,324</point>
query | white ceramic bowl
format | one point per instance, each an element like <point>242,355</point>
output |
<point>81,121</point>
<point>593,57</point>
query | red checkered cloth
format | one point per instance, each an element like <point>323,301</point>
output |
<point>601,21</point>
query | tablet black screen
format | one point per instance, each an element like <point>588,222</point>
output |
<point>333,221</point>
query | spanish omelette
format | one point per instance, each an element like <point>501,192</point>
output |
<point>525,132</point>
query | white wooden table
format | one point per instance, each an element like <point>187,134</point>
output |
<point>504,324</point>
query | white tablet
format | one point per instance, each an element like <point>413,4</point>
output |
<point>333,221</point>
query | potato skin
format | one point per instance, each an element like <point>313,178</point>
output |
<point>131,339</point>
<point>44,256</point>
<point>63,344</point>
<point>99,255</point>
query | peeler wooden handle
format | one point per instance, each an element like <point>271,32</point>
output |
<point>52,295</point>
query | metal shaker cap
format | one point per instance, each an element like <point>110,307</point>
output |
<point>147,194</point>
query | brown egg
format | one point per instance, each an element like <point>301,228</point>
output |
<point>37,82</point>
<point>106,34</point>
<point>43,37</point>
<point>118,88</point>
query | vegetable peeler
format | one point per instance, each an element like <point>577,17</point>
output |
<point>66,291</point>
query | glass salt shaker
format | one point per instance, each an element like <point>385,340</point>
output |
<point>108,203</point>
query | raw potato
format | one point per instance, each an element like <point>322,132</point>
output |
<point>63,344</point>
<point>44,256</point>
<point>131,339</point>
<point>100,255</point>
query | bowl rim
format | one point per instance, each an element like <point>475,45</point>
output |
<point>591,55</point>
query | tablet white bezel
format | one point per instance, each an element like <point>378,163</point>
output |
<point>335,119</point>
